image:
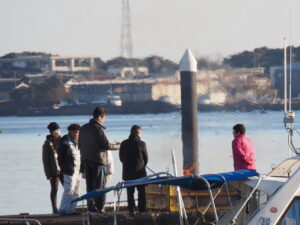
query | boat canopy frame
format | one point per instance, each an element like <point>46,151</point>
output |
<point>192,182</point>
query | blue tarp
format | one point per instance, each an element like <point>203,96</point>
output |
<point>189,182</point>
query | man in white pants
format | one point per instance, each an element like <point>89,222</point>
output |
<point>69,162</point>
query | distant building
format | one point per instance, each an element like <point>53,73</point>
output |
<point>23,89</point>
<point>217,98</point>
<point>35,78</point>
<point>41,64</point>
<point>230,86</point>
<point>128,90</point>
<point>127,71</point>
<point>255,70</point>
<point>277,79</point>
<point>6,86</point>
<point>134,90</point>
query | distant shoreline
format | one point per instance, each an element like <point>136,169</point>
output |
<point>152,107</point>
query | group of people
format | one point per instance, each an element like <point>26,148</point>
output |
<point>86,150</point>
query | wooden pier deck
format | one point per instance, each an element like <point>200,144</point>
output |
<point>151,218</point>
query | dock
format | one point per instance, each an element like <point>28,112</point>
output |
<point>149,218</point>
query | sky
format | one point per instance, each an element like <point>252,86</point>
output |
<point>210,28</point>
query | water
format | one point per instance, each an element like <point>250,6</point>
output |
<point>24,188</point>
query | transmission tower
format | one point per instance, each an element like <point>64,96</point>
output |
<point>126,41</point>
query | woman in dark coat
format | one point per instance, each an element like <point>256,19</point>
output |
<point>51,167</point>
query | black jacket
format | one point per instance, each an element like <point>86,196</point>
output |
<point>94,144</point>
<point>65,156</point>
<point>134,157</point>
<point>50,163</point>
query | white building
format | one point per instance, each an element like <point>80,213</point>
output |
<point>128,71</point>
<point>49,63</point>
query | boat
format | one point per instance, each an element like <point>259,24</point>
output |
<point>252,198</point>
<point>263,199</point>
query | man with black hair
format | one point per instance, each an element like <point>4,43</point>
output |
<point>134,157</point>
<point>242,149</point>
<point>93,146</point>
<point>69,162</point>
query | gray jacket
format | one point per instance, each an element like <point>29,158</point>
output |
<point>93,143</point>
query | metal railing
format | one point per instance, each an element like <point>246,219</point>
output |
<point>21,220</point>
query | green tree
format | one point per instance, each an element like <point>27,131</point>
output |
<point>120,62</point>
<point>155,64</point>
<point>261,57</point>
<point>206,63</point>
<point>25,53</point>
<point>16,95</point>
<point>158,65</point>
<point>99,63</point>
<point>51,90</point>
<point>243,59</point>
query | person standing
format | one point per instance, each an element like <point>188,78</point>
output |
<point>51,167</point>
<point>69,161</point>
<point>242,149</point>
<point>93,147</point>
<point>134,157</point>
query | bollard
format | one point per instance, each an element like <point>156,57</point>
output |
<point>189,113</point>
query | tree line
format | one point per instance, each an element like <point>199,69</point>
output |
<point>260,57</point>
<point>155,64</point>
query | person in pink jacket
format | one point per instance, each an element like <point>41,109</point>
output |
<point>242,149</point>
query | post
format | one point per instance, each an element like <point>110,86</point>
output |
<point>285,79</point>
<point>189,113</point>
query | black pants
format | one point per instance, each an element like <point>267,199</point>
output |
<point>53,193</point>
<point>95,178</point>
<point>141,198</point>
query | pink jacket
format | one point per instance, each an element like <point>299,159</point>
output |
<point>243,153</point>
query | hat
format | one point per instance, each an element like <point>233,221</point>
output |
<point>53,126</point>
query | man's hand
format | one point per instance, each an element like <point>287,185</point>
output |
<point>249,161</point>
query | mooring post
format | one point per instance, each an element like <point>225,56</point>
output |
<point>189,113</point>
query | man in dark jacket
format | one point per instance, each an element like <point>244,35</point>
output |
<point>69,162</point>
<point>93,146</point>
<point>134,157</point>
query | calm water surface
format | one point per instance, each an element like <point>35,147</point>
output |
<point>24,188</point>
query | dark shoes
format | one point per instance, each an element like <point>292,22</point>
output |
<point>93,210</point>
<point>55,211</point>
<point>102,210</point>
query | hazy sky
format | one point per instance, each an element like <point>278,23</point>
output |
<point>162,27</point>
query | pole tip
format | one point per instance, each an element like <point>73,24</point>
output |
<point>188,62</point>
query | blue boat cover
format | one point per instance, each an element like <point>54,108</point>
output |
<point>193,182</point>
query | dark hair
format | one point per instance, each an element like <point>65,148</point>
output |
<point>135,129</point>
<point>73,127</point>
<point>239,128</point>
<point>99,111</point>
<point>53,126</point>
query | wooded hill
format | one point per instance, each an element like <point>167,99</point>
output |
<point>260,57</point>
